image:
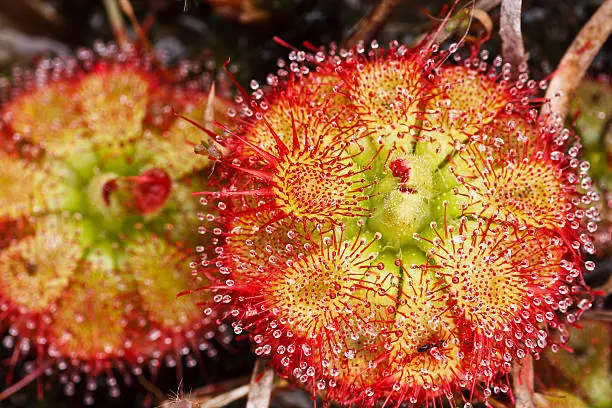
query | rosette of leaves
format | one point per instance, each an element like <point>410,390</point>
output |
<point>97,221</point>
<point>399,225</point>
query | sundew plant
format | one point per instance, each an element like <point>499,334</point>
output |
<point>374,224</point>
<point>399,225</point>
<point>96,221</point>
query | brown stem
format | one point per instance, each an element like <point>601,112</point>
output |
<point>577,59</point>
<point>226,398</point>
<point>127,8</point>
<point>262,384</point>
<point>221,387</point>
<point>259,392</point>
<point>367,28</point>
<point>486,5</point>
<point>116,21</point>
<point>598,315</point>
<point>211,396</point>
<point>522,383</point>
<point>513,49</point>
<point>150,387</point>
<point>33,17</point>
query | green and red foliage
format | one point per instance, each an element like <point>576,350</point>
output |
<point>97,219</point>
<point>399,225</point>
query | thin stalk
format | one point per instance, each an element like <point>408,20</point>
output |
<point>23,382</point>
<point>211,396</point>
<point>522,383</point>
<point>486,5</point>
<point>577,60</point>
<point>367,28</point>
<point>261,387</point>
<point>226,398</point>
<point>127,8</point>
<point>116,21</point>
<point>513,49</point>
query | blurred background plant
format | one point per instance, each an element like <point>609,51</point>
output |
<point>243,31</point>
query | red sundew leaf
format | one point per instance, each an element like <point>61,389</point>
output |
<point>285,174</point>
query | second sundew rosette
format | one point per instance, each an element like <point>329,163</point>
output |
<point>393,227</point>
<point>97,221</point>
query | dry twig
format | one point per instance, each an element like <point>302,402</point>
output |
<point>224,399</point>
<point>513,49</point>
<point>211,396</point>
<point>116,21</point>
<point>598,315</point>
<point>577,59</point>
<point>127,8</point>
<point>24,382</point>
<point>522,383</point>
<point>261,387</point>
<point>367,28</point>
<point>35,17</point>
<point>150,387</point>
<point>486,5</point>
